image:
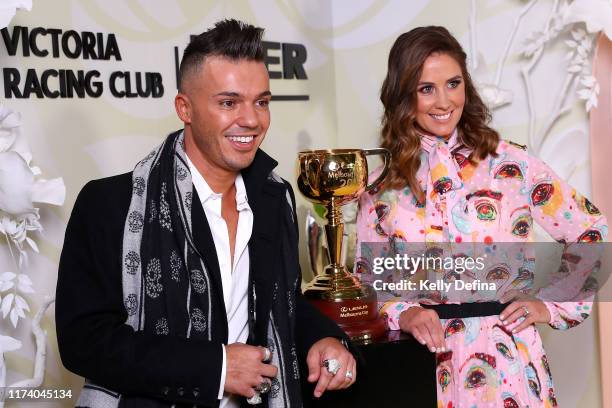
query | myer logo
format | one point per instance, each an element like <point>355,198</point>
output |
<point>288,66</point>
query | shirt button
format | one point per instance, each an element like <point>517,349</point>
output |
<point>165,390</point>
<point>180,391</point>
<point>196,392</point>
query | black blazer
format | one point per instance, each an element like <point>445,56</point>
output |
<point>94,340</point>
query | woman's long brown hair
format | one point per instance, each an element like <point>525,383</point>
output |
<point>399,98</point>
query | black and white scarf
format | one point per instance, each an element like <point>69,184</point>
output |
<point>160,264</point>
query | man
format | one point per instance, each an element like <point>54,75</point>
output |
<point>179,282</point>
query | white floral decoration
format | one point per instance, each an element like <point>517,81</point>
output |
<point>567,17</point>
<point>8,8</point>
<point>21,187</point>
<point>18,216</point>
<point>595,14</point>
<point>589,92</point>
<point>7,343</point>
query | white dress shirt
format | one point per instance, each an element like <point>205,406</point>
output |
<point>234,278</point>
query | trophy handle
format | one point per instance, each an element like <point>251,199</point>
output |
<point>386,154</point>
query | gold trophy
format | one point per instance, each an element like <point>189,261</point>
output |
<point>333,178</point>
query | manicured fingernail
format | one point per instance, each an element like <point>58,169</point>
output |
<point>443,349</point>
<point>513,330</point>
<point>504,322</point>
<point>433,349</point>
<point>502,317</point>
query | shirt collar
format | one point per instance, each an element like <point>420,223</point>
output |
<point>206,193</point>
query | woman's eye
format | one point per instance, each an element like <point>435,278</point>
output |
<point>509,171</point>
<point>454,84</point>
<point>426,89</point>
<point>542,193</point>
<point>486,211</point>
<point>443,185</point>
<point>590,236</point>
<point>498,273</point>
<point>521,226</point>
<point>475,378</point>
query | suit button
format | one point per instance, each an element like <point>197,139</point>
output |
<point>180,391</point>
<point>165,391</point>
<point>196,392</point>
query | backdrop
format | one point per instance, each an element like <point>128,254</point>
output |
<point>327,60</point>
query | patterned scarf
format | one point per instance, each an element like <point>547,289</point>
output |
<point>443,170</point>
<point>162,264</point>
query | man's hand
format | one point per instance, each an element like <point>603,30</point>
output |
<point>425,326</point>
<point>326,349</point>
<point>245,369</point>
<point>532,311</point>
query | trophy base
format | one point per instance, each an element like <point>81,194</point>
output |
<point>367,331</point>
<point>357,315</point>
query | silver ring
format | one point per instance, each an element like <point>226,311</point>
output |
<point>255,399</point>
<point>332,365</point>
<point>349,374</point>
<point>526,311</point>
<point>264,387</point>
<point>267,355</point>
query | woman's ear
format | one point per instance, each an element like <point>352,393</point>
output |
<point>182,104</point>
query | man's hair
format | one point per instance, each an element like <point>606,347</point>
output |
<point>231,39</point>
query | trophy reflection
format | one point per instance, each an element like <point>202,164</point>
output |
<point>335,177</point>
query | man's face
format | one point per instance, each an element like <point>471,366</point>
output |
<point>228,113</point>
<point>440,95</point>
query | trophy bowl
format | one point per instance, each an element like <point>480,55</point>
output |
<point>332,178</point>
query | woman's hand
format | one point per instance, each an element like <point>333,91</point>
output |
<point>425,326</point>
<point>531,309</point>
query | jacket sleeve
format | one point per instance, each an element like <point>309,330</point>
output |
<point>571,219</point>
<point>94,340</point>
<point>311,324</point>
<point>371,231</point>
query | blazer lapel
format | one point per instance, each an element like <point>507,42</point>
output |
<point>263,250</point>
<point>204,243</point>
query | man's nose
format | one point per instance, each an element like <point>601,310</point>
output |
<point>248,116</point>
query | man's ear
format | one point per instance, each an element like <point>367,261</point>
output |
<point>182,104</point>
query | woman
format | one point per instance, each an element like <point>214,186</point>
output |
<point>453,180</point>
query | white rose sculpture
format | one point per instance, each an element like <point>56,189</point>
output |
<point>21,191</point>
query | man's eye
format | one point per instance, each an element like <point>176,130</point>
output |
<point>227,103</point>
<point>263,103</point>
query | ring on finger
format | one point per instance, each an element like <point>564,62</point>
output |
<point>526,311</point>
<point>332,365</point>
<point>267,355</point>
<point>349,374</point>
<point>264,387</point>
<point>255,399</point>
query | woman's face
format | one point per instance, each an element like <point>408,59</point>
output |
<point>440,95</point>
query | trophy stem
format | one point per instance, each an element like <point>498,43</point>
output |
<point>334,233</point>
